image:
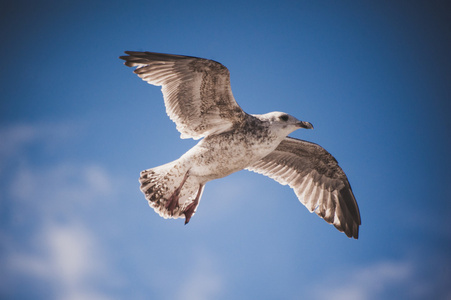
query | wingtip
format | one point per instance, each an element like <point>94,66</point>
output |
<point>127,58</point>
<point>355,233</point>
<point>351,230</point>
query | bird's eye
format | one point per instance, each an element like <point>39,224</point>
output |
<point>284,117</point>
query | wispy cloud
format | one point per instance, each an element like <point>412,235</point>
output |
<point>17,137</point>
<point>47,238</point>
<point>63,185</point>
<point>68,256</point>
<point>409,278</point>
<point>367,282</point>
<point>205,280</point>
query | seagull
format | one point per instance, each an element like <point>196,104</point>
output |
<point>199,99</point>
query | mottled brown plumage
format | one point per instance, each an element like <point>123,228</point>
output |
<point>198,98</point>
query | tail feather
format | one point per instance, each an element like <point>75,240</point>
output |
<point>159,184</point>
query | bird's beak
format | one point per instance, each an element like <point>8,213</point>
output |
<point>304,124</point>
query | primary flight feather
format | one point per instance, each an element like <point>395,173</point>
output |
<point>199,99</point>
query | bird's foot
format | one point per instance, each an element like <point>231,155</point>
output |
<point>173,203</point>
<point>189,211</point>
<point>191,208</point>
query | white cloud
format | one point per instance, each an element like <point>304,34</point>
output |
<point>205,281</point>
<point>367,282</point>
<point>413,277</point>
<point>59,248</point>
<point>53,187</point>
<point>61,180</point>
<point>15,138</point>
<point>68,256</point>
<point>48,239</point>
<point>64,188</point>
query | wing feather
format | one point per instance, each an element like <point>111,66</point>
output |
<point>317,180</point>
<point>196,91</point>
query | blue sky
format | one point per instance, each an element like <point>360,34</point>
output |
<point>77,127</point>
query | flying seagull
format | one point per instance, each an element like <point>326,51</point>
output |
<point>198,98</point>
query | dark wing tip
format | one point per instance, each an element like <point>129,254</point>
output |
<point>351,230</point>
<point>351,212</point>
<point>135,58</point>
<point>127,59</point>
<point>346,216</point>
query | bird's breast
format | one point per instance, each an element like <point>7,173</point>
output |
<point>220,155</point>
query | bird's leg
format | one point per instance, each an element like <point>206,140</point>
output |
<point>189,210</point>
<point>173,201</point>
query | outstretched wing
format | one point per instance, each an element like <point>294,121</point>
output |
<point>318,181</point>
<point>196,91</point>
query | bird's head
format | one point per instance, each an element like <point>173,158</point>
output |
<point>283,122</point>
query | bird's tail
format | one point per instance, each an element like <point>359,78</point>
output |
<point>171,192</point>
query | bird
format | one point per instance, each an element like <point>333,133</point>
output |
<point>198,98</point>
